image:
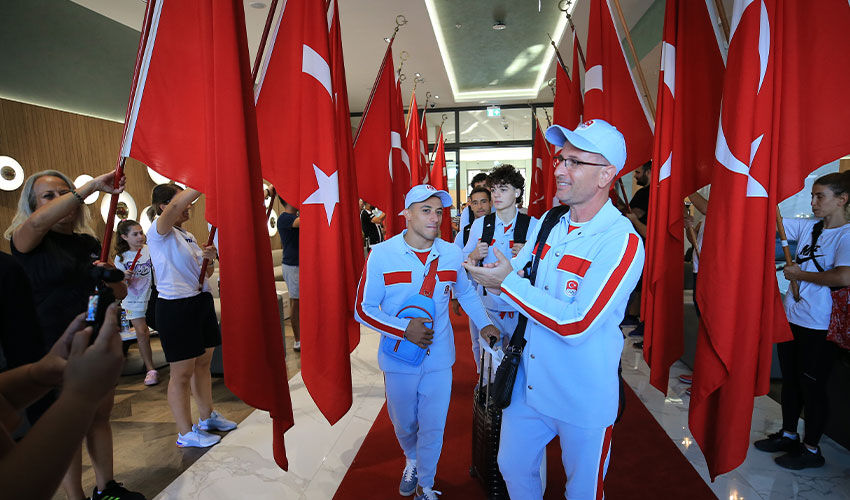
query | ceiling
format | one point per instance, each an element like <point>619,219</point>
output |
<point>78,55</point>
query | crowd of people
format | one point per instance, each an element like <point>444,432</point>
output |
<point>553,291</point>
<point>57,371</point>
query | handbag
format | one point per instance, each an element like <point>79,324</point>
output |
<point>503,384</point>
<point>419,305</point>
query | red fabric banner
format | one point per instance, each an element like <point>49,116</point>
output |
<point>200,129</point>
<point>688,107</point>
<point>352,237</point>
<point>440,180</point>
<point>776,127</point>
<point>297,122</point>
<point>610,92</point>
<point>541,166</point>
<point>414,150</point>
<point>380,136</point>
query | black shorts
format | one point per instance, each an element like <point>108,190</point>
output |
<point>187,327</point>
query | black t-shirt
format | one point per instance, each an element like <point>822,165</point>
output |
<point>288,238</point>
<point>370,229</point>
<point>641,200</point>
<point>20,334</point>
<point>59,272</point>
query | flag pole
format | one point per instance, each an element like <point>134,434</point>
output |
<point>643,84</point>
<point>439,134</point>
<point>724,21</point>
<point>400,21</point>
<point>780,228</point>
<point>564,6</point>
<point>625,197</point>
<point>206,263</point>
<point>558,54</point>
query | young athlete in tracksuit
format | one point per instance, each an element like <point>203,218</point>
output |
<point>567,383</point>
<point>418,396</point>
<point>506,186</point>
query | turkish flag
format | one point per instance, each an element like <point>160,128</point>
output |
<point>297,121</point>
<point>541,157</point>
<point>414,144</point>
<point>784,114</point>
<point>379,136</point>
<point>440,180</point>
<point>567,108</point>
<point>423,147</point>
<point>689,89</point>
<point>610,92</point>
<point>192,119</point>
<point>352,235</point>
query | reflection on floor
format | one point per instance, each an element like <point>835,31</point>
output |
<point>241,466</point>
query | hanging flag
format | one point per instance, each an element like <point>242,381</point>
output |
<point>352,234</point>
<point>688,107</point>
<point>783,114</point>
<point>200,129</point>
<point>541,157</point>
<point>297,123</point>
<point>439,179</point>
<point>575,109</point>
<point>414,145</point>
<point>380,136</point>
<point>610,92</point>
<point>423,147</point>
<point>401,170</point>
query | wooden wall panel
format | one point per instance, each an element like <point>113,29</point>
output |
<point>43,138</point>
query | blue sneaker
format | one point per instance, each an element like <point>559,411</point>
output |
<point>428,494</point>
<point>216,423</point>
<point>409,479</point>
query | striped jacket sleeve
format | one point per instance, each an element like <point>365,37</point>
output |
<point>611,277</point>
<point>370,294</point>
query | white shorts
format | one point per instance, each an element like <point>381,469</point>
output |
<point>290,276</point>
<point>131,315</point>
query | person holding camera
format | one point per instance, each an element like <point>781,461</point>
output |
<point>87,370</point>
<point>52,239</point>
<point>185,315</point>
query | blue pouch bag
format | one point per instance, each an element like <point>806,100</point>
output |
<point>419,305</point>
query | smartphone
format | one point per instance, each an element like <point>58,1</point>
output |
<point>96,311</point>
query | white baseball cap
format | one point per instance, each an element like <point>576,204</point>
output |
<point>424,191</point>
<point>594,136</point>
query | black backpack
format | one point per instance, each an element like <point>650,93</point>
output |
<point>520,231</point>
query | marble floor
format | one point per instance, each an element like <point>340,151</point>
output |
<point>319,454</point>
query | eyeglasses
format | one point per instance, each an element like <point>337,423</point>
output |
<point>573,163</point>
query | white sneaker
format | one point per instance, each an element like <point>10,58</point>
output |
<point>296,346</point>
<point>216,423</point>
<point>197,438</point>
<point>428,494</point>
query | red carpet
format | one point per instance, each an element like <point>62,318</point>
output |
<point>644,461</point>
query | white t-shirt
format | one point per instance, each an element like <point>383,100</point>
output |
<point>177,260</point>
<point>139,285</point>
<point>833,250</point>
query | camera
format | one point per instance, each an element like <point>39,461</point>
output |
<point>100,301</point>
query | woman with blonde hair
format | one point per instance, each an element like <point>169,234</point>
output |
<point>52,239</point>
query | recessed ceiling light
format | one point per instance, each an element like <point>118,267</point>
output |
<point>499,26</point>
<point>387,39</point>
<point>458,26</point>
<point>418,75</point>
<point>436,97</point>
<point>257,5</point>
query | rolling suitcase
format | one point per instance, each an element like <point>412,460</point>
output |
<point>486,427</point>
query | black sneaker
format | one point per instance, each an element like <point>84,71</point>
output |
<point>778,442</point>
<point>803,459</point>
<point>116,491</point>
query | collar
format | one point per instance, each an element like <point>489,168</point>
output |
<point>603,220</point>
<point>404,248</point>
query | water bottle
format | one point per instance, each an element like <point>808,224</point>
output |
<point>125,323</point>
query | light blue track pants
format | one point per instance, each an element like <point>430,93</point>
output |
<point>418,404</point>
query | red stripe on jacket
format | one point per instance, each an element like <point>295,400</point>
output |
<point>372,322</point>
<point>605,295</point>
<point>573,264</point>
<point>447,275</point>
<point>396,277</point>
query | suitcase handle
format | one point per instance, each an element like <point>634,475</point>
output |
<point>489,373</point>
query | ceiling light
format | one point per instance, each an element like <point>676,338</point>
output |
<point>499,26</point>
<point>436,97</point>
<point>458,26</point>
<point>418,75</point>
<point>386,39</point>
<point>257,5</point>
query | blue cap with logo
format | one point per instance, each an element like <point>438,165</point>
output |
<point>424,191</point>
<point>594,136</point>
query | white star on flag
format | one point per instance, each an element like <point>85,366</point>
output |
<point>327,194</point>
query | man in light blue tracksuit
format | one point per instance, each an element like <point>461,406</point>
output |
<point>418,396</point>
<point>567,383</point>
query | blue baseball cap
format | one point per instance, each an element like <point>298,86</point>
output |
<point>594,136</point>
<point>424,191</point>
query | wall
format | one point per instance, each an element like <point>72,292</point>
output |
<point>42,138</point>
